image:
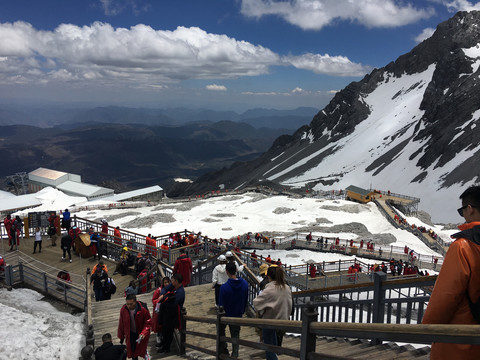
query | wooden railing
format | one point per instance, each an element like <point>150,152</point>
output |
<point>309,329</point>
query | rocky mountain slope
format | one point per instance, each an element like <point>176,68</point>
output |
<point>410,126</point>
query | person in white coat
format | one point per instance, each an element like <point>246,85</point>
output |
<point>219,276</point>
<point>274,302</point>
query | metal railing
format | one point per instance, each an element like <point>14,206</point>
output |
<point>381,301</point>
<point>46,283</point>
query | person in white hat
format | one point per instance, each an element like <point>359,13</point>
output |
<point>219,276</point>
<point>230,258</point>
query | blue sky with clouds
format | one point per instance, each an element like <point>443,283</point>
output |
<point>220,54</point>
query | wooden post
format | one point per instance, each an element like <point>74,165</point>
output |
<point>183,335</point>
<point>220,314</point>
<point>9,275</point>
<point>378,301</point>
<point>45,282</point>
<point>20,269</point>
<point>308,340</point>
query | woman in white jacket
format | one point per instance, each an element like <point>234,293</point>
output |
<point>274,302</point>
<point>219,276</point>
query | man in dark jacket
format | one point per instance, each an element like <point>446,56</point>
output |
<point>137,332</point>
<point>233,297</point>
<point>98,278</point>
<point>66,221</point>
<point>171,304</point>
<point>183,266</point>
<point>108,351</point>
<point>66,244</point>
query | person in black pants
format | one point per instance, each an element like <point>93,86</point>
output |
<point>171,304</point>
<point>66,244</point>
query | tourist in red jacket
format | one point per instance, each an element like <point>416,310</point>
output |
<point>104,228</point>
<point>8,225</point>
<point>140,330</point>
<point>183,265</point>
<point>156,326</point>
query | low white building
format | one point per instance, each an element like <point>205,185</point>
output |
<point>70,184</point>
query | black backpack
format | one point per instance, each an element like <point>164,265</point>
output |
<point>110,287</point>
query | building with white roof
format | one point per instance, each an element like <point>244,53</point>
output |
<point>70,184</point>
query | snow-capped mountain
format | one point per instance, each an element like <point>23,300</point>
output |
<point>409,127</point>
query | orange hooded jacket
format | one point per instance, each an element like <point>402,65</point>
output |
<point>448,304</point>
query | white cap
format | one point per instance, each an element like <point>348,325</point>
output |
<point>228,254</point>
<point>222,258</point>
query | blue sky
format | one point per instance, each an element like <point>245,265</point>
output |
<point>219,54</point>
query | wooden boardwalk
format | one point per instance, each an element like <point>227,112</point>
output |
<point>199,302</point>
<point>50,261</point>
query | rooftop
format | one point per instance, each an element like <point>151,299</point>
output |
<point>48,173</point>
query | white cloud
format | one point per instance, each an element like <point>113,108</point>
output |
<point>315,14</point>
<point>141,56</point>
<point>115,7</point>
<point>272,93</point>
<point>295,92</point>
<point>215,87</point>
<point>461,5</point>
<point>425,34</point>
<point>326,64</point>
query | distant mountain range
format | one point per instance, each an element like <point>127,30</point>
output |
<point>132,154</point>
<point>70,118</point>
<point>411,127</point>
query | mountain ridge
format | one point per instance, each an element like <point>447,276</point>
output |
<point>410,126</point>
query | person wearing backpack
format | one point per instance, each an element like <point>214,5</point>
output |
<point>109,288</point>
<point>98,279</point>
<point>456,296</point>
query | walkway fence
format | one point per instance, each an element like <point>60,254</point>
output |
<point>442,244</point>
<point>380,252</point>
<point>69,293</point>
<point>365,311</point>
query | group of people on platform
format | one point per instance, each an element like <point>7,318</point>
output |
<point>136,322</point>
<point>13,227</point>
<point>398,267</point>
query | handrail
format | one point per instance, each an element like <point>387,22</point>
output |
<point>412,333</point>
<point>418,281</point>
<point>309,328</point>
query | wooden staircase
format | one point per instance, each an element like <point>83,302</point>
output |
<point>200,302</point>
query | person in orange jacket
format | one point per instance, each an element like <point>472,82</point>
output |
<point>459,281</point>
<point>117,236</point>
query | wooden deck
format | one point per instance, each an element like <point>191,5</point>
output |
<point>199,302</point>
<point>50,261</point>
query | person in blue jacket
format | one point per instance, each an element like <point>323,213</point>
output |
<point>233,297</point>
